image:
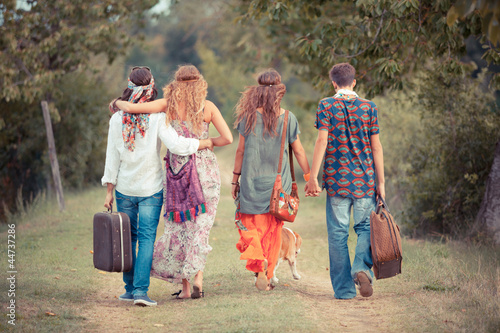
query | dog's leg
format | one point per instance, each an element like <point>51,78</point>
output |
<point>274,280</point>
<point>293,268</point>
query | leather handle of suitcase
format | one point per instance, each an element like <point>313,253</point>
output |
<point>380,206</point>
<point>121,241</point>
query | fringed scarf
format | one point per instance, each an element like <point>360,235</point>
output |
<point>136,122</point>
<point>184,195</point>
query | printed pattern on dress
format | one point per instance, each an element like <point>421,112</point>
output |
<point>183,248</point>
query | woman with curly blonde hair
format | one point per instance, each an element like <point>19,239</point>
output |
<point>181,252</point>
<point>260,120</point>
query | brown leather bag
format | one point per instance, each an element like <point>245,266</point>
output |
<point>385,242</point>
<point>282,205</point>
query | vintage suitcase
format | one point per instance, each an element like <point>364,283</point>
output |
<point>385,242</point>
<point>112,242</point>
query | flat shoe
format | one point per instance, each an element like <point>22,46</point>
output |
<point>365,286</point>
<point>197,293</point>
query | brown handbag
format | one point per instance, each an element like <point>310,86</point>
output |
<point>282,205</point>
<point>385,242</point>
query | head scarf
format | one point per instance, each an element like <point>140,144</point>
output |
<point>136,122</point>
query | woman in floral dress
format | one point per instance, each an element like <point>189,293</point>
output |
<point>181,252</point>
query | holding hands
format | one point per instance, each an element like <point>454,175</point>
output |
<point>312,188</point>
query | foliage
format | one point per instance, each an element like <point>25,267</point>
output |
<point>80,131</point>
<point>49,50</point>
<point>489,11</point>
<point>204,34</point>
<point>387,41</point>
<point>42,41</point>
<point>450,165</point>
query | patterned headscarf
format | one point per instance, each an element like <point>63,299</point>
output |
<point>133,122</point>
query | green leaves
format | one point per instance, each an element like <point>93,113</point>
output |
<point>488,10</point>
<point>41,43</point>
<point>413,34</point>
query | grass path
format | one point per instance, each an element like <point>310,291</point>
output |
<point>445,286</point>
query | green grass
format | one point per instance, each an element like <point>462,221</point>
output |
<point>445,286</point>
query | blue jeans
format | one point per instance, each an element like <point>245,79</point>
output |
<point>144,214</point>
<point>338,217</point>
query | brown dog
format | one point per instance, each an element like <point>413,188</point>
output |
<point>290,247</point>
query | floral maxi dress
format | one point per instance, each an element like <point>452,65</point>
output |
<point>183,248</point>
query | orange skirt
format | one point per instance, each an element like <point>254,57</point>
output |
<point>261,241</point>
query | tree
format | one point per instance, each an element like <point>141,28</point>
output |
<point>46,40</point>
<point>488,218</point>
<point>41,43</point>
<point>387,41</point>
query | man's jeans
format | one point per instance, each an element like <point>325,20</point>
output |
<point>338,216</point>
<point>144,214</point>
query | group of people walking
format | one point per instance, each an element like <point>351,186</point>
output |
<point>352,176</point>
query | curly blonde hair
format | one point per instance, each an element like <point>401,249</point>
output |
<point>190,88</point>
<point>267,95</point>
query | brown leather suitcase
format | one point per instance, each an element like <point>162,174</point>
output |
<point>112,242</point>
<point>387,253</point>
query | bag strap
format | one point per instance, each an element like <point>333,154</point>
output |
<point>379,206</point>
<point>283,135</point>
<point>290,155</point>
<point>282,148</point>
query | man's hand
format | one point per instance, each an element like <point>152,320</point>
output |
<point>381,191</point>
<point>312,188</point>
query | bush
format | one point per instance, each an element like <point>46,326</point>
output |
<point>450,165</point>
<point>80,122</point>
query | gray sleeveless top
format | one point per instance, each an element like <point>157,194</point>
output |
<point>260,164</point>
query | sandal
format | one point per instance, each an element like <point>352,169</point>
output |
<point>262,282</point>
<point>197,293</point>
<point>177,294</point>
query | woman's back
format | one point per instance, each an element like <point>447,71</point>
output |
<point>260,163</point>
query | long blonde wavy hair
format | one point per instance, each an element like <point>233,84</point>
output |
<point>267,95</point>
<point>190,88</point>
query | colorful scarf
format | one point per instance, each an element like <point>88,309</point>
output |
<point>136,122</point>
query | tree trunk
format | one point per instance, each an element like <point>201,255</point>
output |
<point>488,218</point>
<point>53,156</point>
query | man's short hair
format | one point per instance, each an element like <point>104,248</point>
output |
<point>342,74</point>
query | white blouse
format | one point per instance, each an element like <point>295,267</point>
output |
<point>138,173</point>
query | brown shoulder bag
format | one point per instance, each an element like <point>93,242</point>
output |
<point>282,205</point>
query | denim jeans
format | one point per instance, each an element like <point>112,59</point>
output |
<point>144,214</point>
<point>338,216</point>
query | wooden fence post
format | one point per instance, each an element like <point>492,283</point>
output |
<point>53,156</point>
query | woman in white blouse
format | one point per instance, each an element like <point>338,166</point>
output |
<point>133,169</point>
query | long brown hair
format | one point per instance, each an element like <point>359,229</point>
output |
<point>267,95</point>
<point>188,87</point>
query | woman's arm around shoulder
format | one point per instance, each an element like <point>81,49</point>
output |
<point>156,106</point>
<point>213,115</point>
